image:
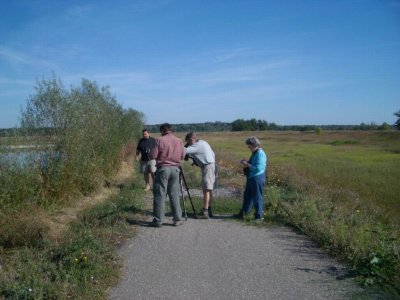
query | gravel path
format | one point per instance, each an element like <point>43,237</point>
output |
<point>224,259</point>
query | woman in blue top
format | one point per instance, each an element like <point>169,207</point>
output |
<point>255,181</point>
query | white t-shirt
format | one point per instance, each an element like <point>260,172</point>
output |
<point>201,153</point>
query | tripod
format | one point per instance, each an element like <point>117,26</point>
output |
<point>182,182</point>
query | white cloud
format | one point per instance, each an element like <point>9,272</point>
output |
<point>17,57</point>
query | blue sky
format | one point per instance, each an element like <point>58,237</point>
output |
<point>186,61</point>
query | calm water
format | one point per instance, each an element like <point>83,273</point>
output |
<point>21,159</point>
<point>26,158</point>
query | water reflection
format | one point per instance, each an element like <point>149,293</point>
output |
<point>21,159</point>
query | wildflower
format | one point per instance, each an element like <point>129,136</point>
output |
<point>29,290</point>
<point>358,210</point>
<point>375,260</point>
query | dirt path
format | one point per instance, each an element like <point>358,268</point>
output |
<point>224,259</point>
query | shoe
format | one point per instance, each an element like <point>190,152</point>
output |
<point>155,223</point>
<point>147,188</point>
<point>178,223</point>
<point>210,213</point>
<point>203,214</point>
<point>258,221</point>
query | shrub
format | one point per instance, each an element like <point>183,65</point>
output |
<point>88,132</point>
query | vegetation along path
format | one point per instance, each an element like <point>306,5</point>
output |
<point>224,259</point>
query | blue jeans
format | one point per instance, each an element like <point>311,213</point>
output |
<point>253,196</point>
<point>166,182</point>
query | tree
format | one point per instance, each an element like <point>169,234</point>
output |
<point>384,126</point>
<point>397,124</point>
<point>87,129</point>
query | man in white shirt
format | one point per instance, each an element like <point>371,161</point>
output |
<point>203,156</point>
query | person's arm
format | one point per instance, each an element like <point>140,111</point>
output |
<point>192,149</point>
<point>154,151</point>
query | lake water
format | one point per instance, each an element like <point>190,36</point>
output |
<point>26,157</point>
<point>20,159</point>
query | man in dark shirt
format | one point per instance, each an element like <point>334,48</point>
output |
<point>147,165</point>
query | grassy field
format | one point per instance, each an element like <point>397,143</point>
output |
<point>340,188</point>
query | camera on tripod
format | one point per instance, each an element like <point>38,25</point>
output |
<point>187,156</point>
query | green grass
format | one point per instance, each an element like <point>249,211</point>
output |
<point>340,188</point>
<point>82,264</point>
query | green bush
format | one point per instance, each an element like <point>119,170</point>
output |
<point>18,186</point>
<point>83,133</point>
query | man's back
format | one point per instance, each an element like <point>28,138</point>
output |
<point>168,150</point>
<point>201,152</point>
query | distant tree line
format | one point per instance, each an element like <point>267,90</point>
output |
<point>198,127</point>
<point>260,125</point>
<point>240,125</point>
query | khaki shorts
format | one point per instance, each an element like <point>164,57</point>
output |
<point>208,177</point>
<point>147,166</point>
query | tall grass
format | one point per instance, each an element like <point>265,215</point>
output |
<point>341,188</point>
<point>82,264</point>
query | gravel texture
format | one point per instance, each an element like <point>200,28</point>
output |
<point>224,259</point>
<point>222,192</point>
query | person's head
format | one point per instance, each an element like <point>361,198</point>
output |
<point>191,138</point>
<point>165,128</point>
<point>253,143</point>
<point>146,134</point>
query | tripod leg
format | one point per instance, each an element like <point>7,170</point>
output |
<point>187,189</point>
<point>191,202</point>
<point>183,200</point>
